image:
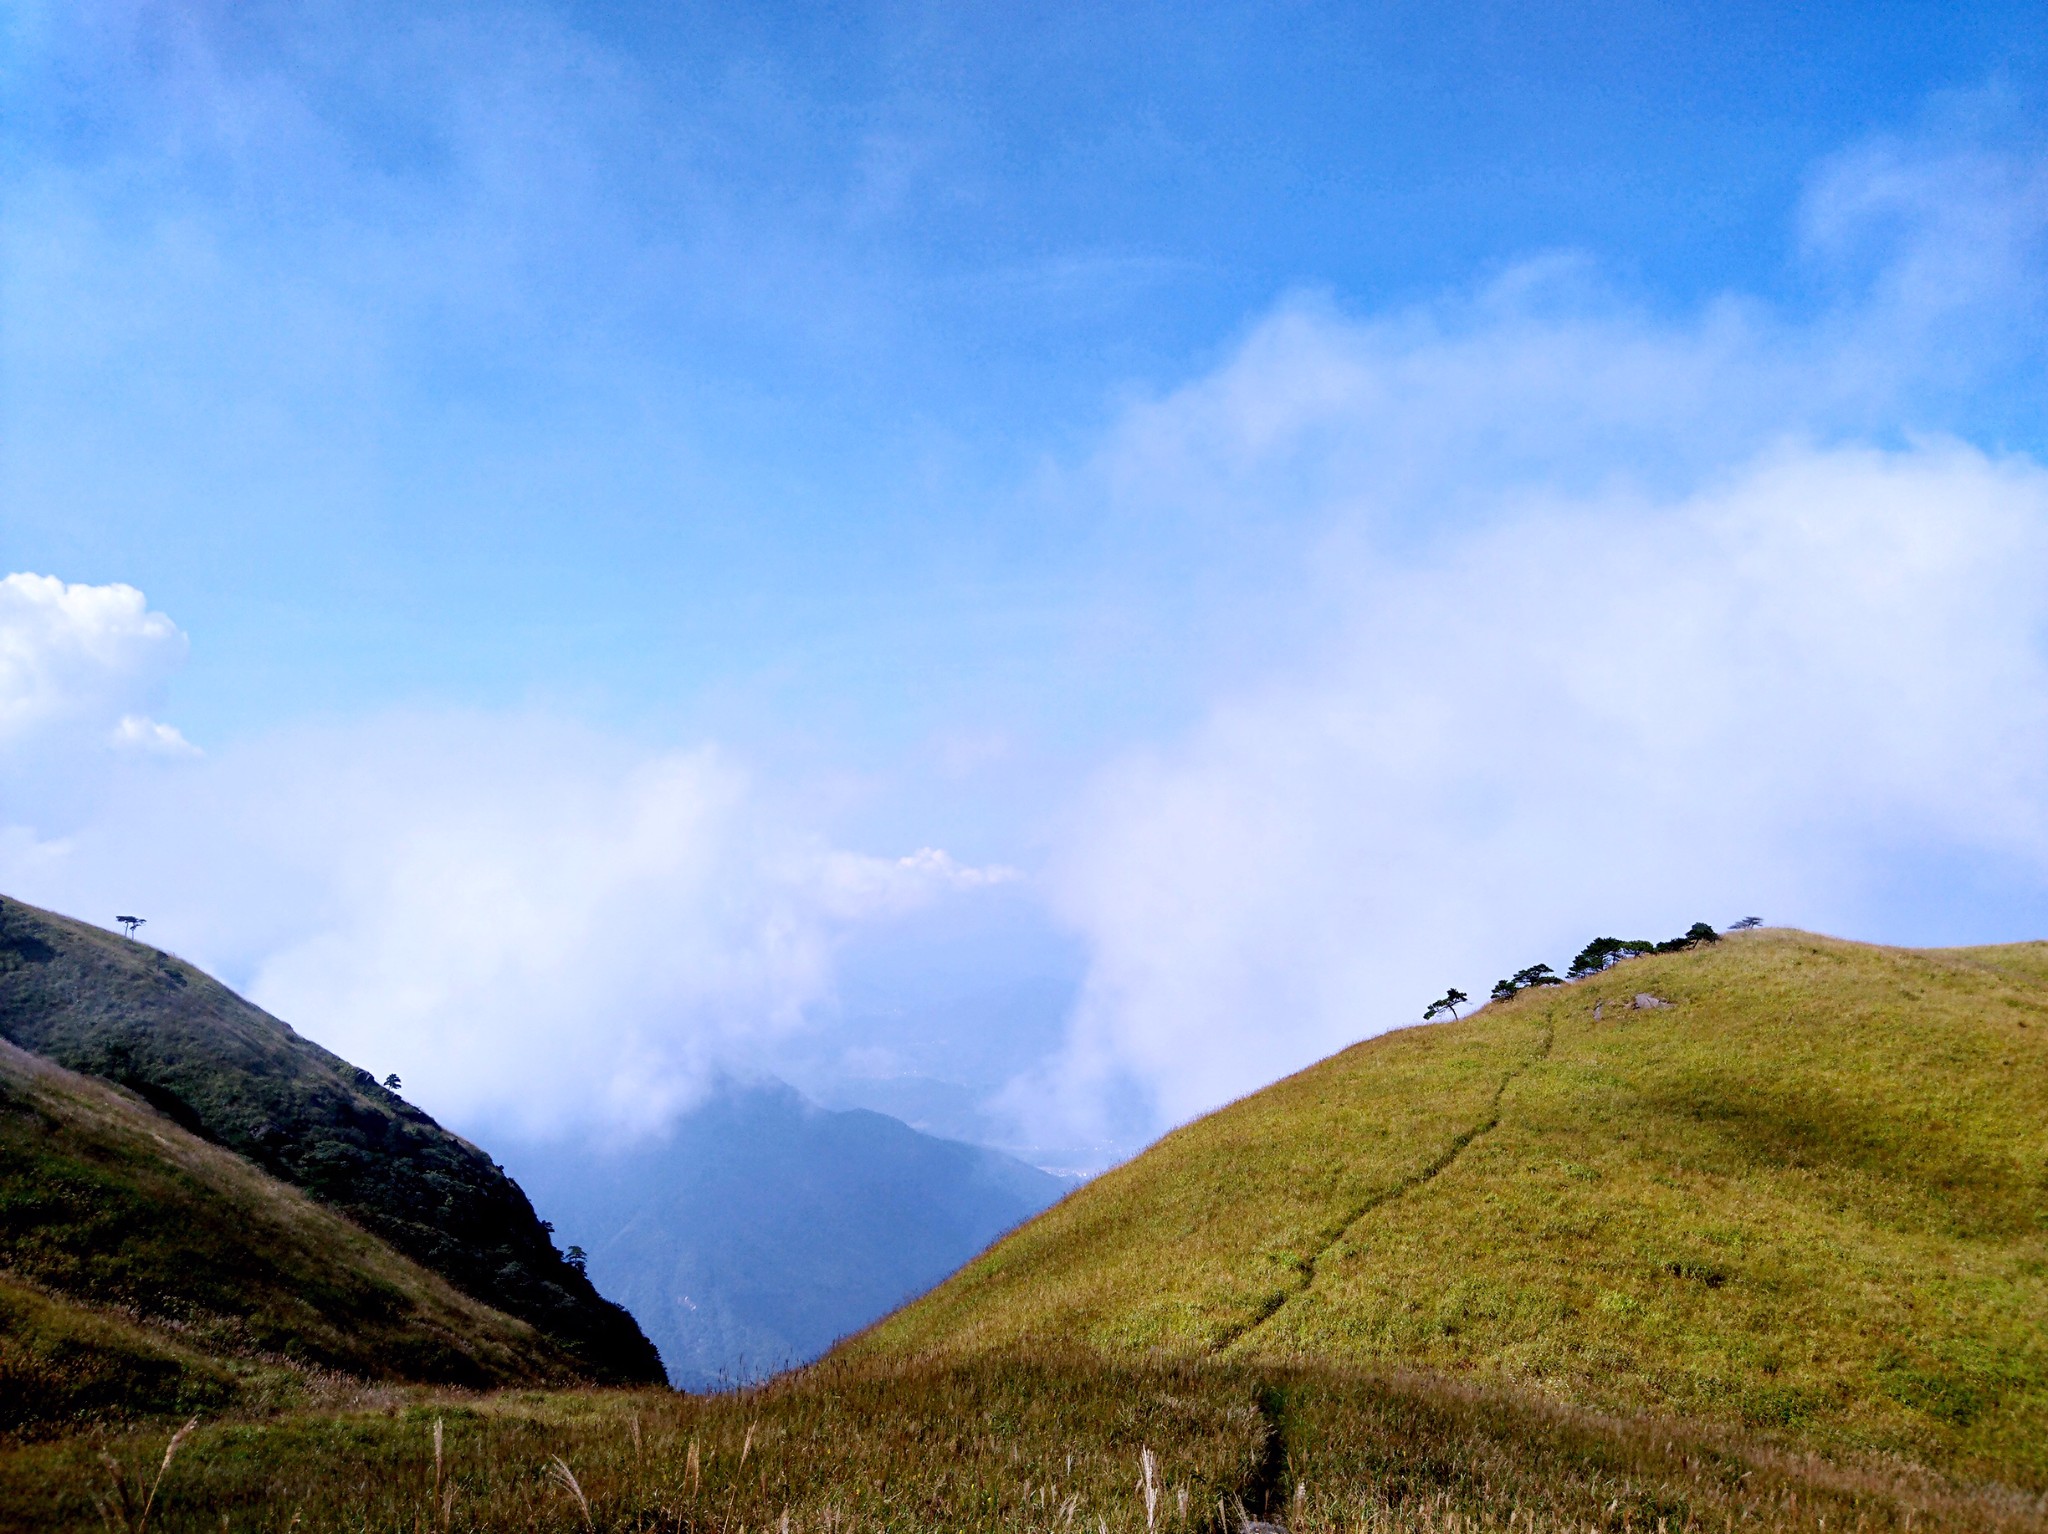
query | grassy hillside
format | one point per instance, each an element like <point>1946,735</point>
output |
<point>143,1270</point>
<point>230,1073</point>
<point>1568,1265</point>
<point>1809,1198</point>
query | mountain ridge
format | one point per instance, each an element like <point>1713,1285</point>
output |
<point>762,1226</point>
<point>228,1072</point>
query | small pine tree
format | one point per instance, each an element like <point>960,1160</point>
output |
<point>1595,956</point>
<point>1448,1002</point>
<point>1699,932</point>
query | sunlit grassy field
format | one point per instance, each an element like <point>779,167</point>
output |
<point>1050,1444</point>
<point>1808,1199</point>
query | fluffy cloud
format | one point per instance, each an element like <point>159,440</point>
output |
<point>1609,714</point>
<point>539,927</point>
<point>1541,616</point>
<point>76,660</point>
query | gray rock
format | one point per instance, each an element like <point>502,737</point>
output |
<point>1645,1001</point>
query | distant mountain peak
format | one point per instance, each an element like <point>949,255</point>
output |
<point>762,1227</point>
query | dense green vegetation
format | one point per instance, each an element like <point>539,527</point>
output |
<point>1807,1199</point>
<point>230,1073</point>
<point>146,1270</point>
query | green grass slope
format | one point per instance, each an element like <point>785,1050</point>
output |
<point>231,1073</point>
<point>143,1270</point>
<point>1808,1198</point>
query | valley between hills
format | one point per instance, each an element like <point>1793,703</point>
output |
<point>1749,1236</point>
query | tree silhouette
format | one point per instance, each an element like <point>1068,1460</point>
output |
<point>1596,956</point>
<point>1747,924</point>
<point>1699,932</point>
<point>130,923</point>
<point>1522,979</point>
<point>391,1082</point>
<point>1448,1002</point>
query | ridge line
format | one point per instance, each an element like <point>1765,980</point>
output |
<point>1401,1189</point>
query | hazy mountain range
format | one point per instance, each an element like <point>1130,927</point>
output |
<point>763,1227</point>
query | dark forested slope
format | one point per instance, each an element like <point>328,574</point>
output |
<point>143,1270</point>
<point>232,1074</point>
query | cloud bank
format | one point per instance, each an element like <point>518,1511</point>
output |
<point>1534,615</point>
<point>1603,714</point>
<point>541,928</point>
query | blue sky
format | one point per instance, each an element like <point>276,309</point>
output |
<point>627,352</point>
<point>950,428</point>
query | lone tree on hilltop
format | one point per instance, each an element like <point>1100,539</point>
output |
<point>130,923</point>
<point>391,1082</point>
<point>1747,924</point>
<point>1448,1002</point>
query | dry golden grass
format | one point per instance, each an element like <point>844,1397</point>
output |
<point>1047,1445</point>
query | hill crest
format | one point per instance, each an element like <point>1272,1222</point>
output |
<point>1810,1196</point>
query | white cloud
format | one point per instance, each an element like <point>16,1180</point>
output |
<point>138,732</point>
<point>855,884</point>
<point>537,926</point>
<point>78,658</point>
<point>1598,714</point>
<point>1554,617</point>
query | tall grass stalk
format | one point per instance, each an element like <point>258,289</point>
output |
<point>134,1519</point>
<point>559,1469</point>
